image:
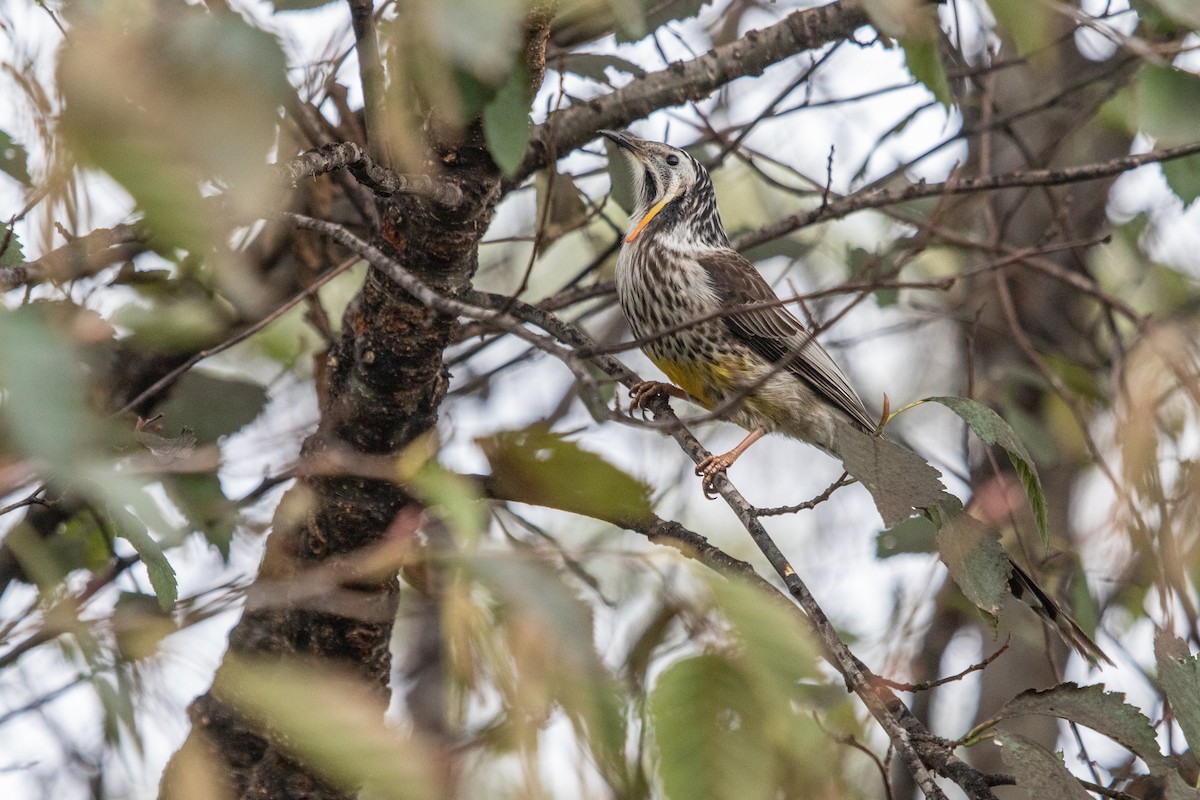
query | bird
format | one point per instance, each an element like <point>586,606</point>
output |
<point>707,318</point>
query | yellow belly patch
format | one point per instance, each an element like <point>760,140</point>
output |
<point>697,378</point>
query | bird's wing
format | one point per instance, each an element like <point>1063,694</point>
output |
<point>776,335</point>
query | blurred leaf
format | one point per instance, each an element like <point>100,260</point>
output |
<point>12,253</point>
<point>531,588</point>
<point>506,122</point>
<point>180,324</point>
<point>117,703</point>
<point>777,648</point>
<point>552,632</point>
<point>1167,103</point>
<point>158,568</point>
<point>1183,177</point>
<point>332,724</point>
<point>1092,707</point>
<point>652,634</point>
<point>13,161</point>
<point>596,65</point>
<point>1038,771</point>
<point>202,501</point>
<point>541,468</point>
<point>212,405</point>
<point>139,625</point>
<point>42,400</point>
<point>913,535</point>
<point>925,63</point>
<point>560,207</point>
<point>972,553</point>
<point>453,498</point>
<point>167,104</point>
<point>709,733</point>
<point>991,428</point>
<point>1179,675</point>
<point>1178,789</point>
<point>482,35</point>
<point>1185,12</point>
<point>900,482</point>
<point>1027,24</point>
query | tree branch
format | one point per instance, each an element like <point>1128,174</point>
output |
<point>1022,178</point>
<point>370,71</point>
<point>79,258</point>
<point>683,81</point>
<point>379,179</point>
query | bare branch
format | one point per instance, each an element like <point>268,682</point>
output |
<point>885,197</point>
<point>370,173</point>
<point>689,80</point>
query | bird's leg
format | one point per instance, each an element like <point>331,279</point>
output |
<point>642,391</point>
<point>713,466</point>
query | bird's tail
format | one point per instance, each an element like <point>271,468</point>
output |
<point>1025,589</point>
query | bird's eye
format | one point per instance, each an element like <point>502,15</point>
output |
<point>673,161</point>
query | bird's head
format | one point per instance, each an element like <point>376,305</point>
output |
<point>669,186</point>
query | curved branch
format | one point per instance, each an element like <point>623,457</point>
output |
<point>689,80</point>
<point>370,173</point>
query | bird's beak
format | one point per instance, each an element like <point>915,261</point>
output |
<point>624,141</point>
<point>634,150</point>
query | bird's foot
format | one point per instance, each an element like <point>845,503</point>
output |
<point>710,468</point>
<point>644,391</point>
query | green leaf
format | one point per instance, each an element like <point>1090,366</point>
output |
<point>900,482</point>
<point>11,253</point>
<point>158,568</point>
<point>1179,675</point>
<point>972,553</point>
<point>925,63</point>
<point>139,624</point>
<point>541,468</point>
<point>1026,24</point>
<point>991,428</point>
<point>595,65</point>
<point>560,207</point>
<point>453,498</point>
<point>553,628</point>
<point>42,398</point>
<point>14,161</point>
<point>777,649</point>
<point>1178,788</point>
<point>213,405</point>
<point>1092,707</point>
<point>913,535</point>
<point>709,733</point>
<point>1185,12</point>
<point>1183,177</point>
<point>170,103</point>
<point>202,501</point>
<point>1038,771</point>
<point>533,590</point>
<point>1167,103</point>
<point>506,122</point>
<point>333,725</point>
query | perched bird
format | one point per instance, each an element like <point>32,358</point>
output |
<point>707,318</point>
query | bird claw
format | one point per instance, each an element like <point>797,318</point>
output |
<point>645,391</point>
<point>709,469</point>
